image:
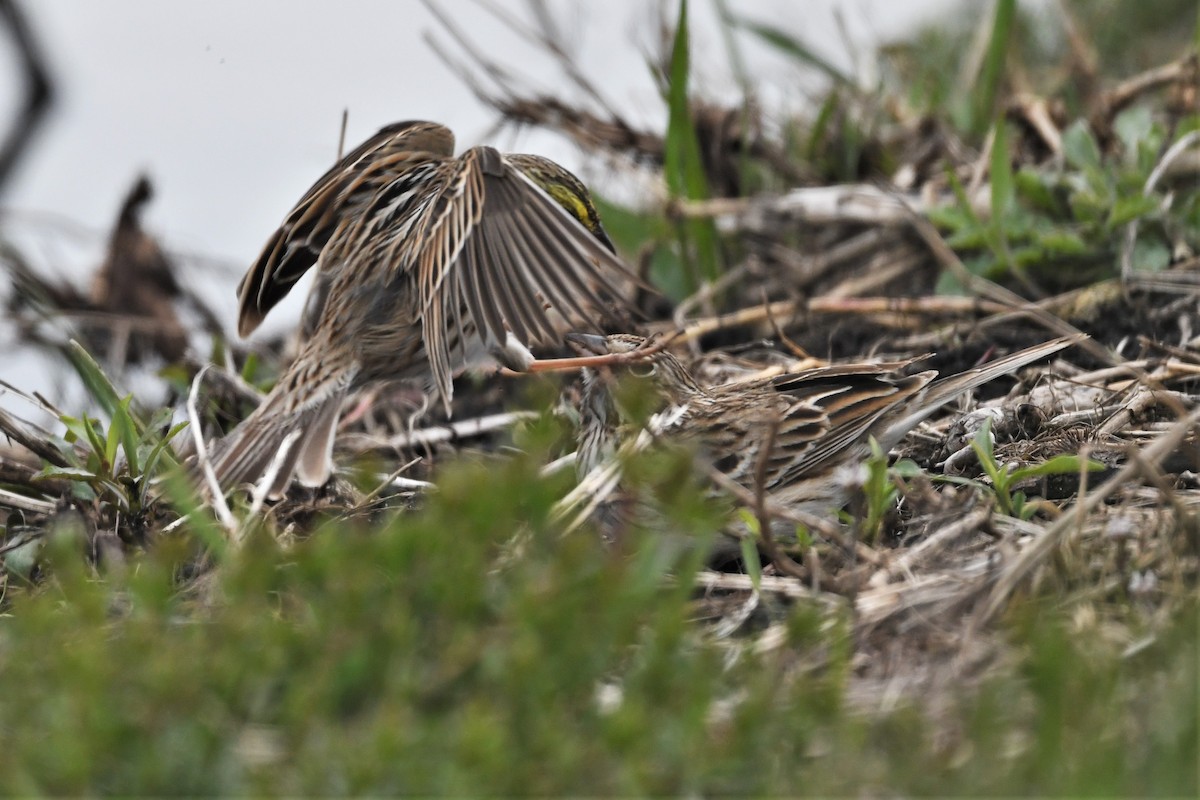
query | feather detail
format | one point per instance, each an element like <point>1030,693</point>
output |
<point>421,260</point>
<point>821,418</point>
<point>295,246</point>
<point>304,400</point>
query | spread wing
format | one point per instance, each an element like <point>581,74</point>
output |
<point>497,254</point>
<point>342,192</point>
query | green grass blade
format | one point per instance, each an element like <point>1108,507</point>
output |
<point>97,383</point>
<point>1059,465</point>
<point>988,85</point>
<point>1002,174</point>
<point>112,441</point>
<point>98,445</point>
<point>126,431</point>
<point>682,166</point>
<point>985,451</point>
<point>750,561</point>
<point>792,46</point>
<point>160,448</point>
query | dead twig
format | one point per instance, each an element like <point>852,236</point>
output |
<point>1124,93</point>
<point>32,504</point>
<point>39,89</point>
<point>931,545</point>
<point>782,561</point>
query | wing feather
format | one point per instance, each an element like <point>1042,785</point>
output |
<point>296,245</point>
<point>499,250</point>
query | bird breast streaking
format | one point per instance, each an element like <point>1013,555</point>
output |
<point>424,261</point>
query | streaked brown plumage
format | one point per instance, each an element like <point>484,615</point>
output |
<point>820,419</point>
<point>425,262</point>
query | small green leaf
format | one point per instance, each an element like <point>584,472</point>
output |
<point>1059,465</point>
<point>975,234</point>
<point>111,441</point>
<point>122,423</point>
<point>959,480</point>
<point>1131,207</point>
<point>1079,146</point>
<point>76,430</point>
<point>1020,509</point>
<point>968,239</point>
<point>94,439</point>
<point>1061,241</point>
<point>65,473</point>
<point>97,383</point>
<point>1089,207</point>
<point>751,562</point>
<point>1150,254</point>
<point>161,447</point>
<point>250,368</point>
<point>1035,188</point>
<point>1187,124</point>
<point>950,218</point>
<point>983,446</point>
<point>804,538</point>
<point>1133,126</point>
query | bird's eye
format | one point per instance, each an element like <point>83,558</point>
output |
<point>644,369</point>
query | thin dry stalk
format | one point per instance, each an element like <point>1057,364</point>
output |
<point>1036,553</point>
<point>932,545</point>
<point>216,497</point>
<point>782,561</point>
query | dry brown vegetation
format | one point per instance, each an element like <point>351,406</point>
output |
<point>888,224</point>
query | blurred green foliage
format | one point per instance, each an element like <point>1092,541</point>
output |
<point>472,648</point>
<point>1067,226</point>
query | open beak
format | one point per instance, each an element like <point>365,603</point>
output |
<point>588,344</point>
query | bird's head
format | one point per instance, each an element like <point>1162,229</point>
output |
<point>565,189</point>
<point>669,377</point>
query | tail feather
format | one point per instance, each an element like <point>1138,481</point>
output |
<point>940,392</point>
<point>314,451</point>
<point>310,406</point>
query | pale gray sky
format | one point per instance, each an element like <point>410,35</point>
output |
<point>234,106</point>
